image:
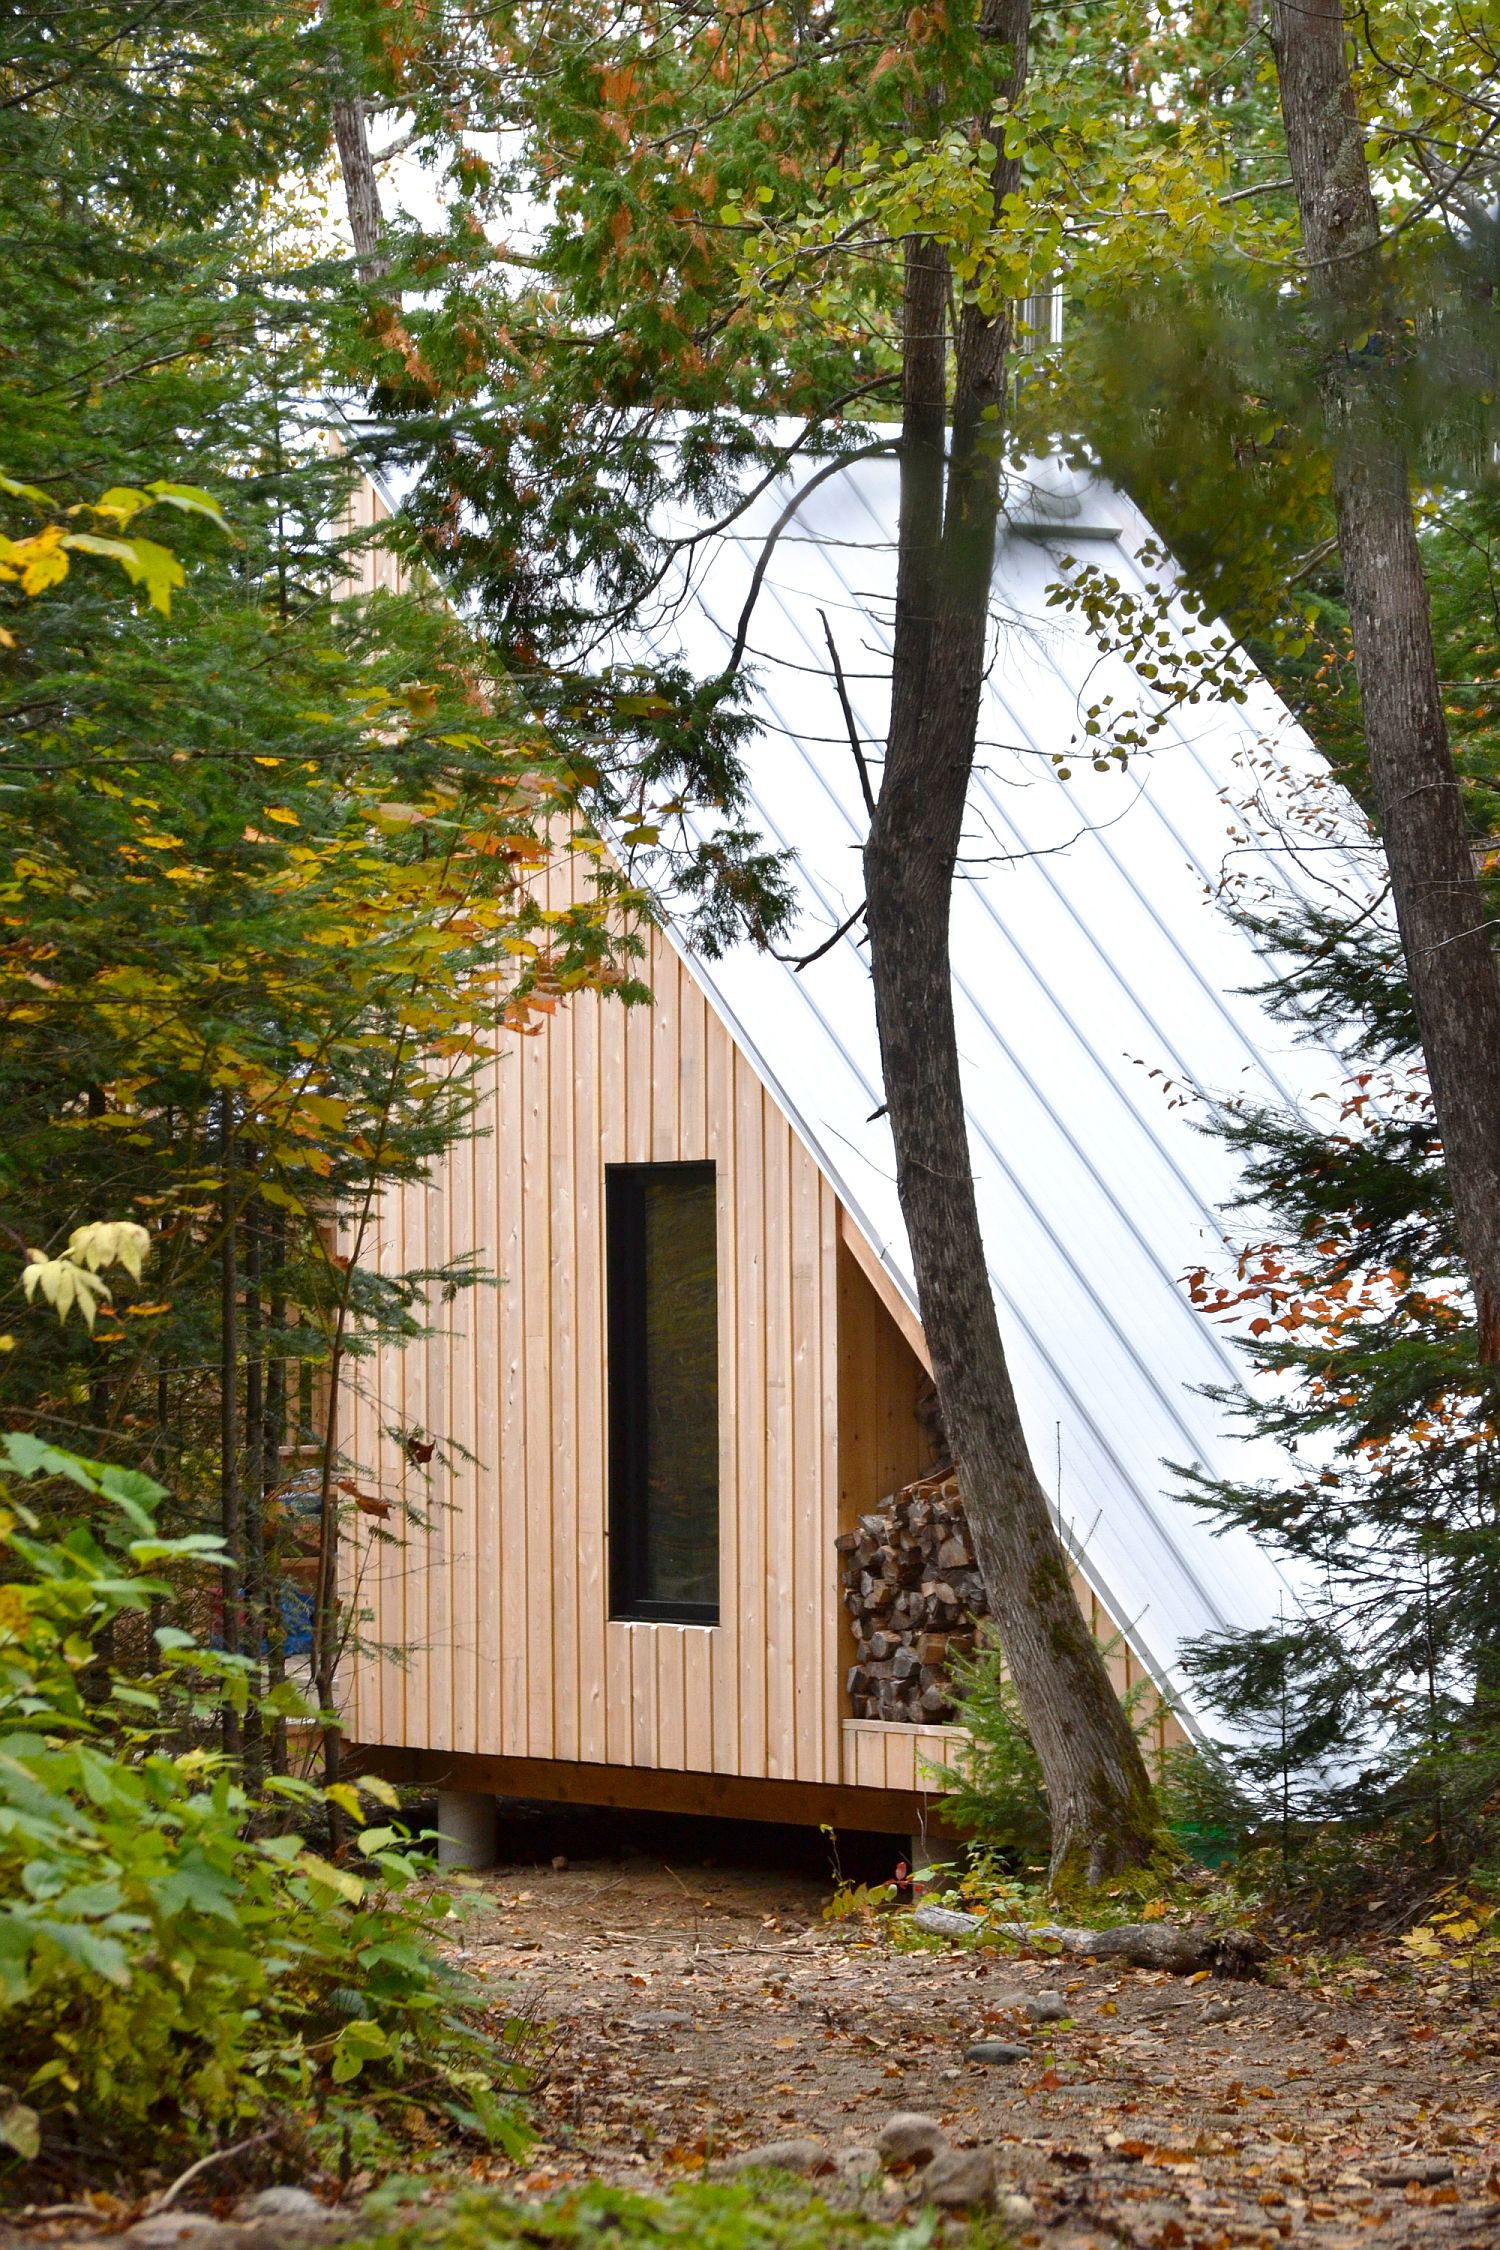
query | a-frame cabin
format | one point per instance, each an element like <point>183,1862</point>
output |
<point>703,1360</point>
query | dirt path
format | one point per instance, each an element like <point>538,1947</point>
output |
<point>697,2011</point>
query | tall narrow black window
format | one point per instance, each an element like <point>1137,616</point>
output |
<point>663,1391</point>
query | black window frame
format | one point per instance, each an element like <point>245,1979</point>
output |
<point>626,1401</point>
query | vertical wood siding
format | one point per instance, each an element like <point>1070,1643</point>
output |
<point>494,1614</point>
<point>882,1444</point>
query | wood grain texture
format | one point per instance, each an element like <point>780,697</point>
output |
<point>730,1796</point>
<point>884,1754</point>
<point>882,1445</point>
<point>493,1617</point>
<point>513,1652</point>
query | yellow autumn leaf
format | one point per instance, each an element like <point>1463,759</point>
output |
<point>337,1879</point>
<point>38,562</point>
<point>284,814</point>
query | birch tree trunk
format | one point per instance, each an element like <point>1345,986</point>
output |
<point>1098,1791</point>
<point>1450,959</point>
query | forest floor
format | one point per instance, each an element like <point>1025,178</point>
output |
<point>682,2011</point>
<point>685,2012</point>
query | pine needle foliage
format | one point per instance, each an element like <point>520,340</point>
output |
<point>1375,1699</point>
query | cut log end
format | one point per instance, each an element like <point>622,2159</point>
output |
<point>914,1598</point>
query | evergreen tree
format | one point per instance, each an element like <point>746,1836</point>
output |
<point>1351,1300</point>
<point>268,875</point>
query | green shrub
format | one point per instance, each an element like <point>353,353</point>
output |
<point>1206,1810</point>
<point>768,2213</point>
<point>167,1949</point>
<point>995,1794</point>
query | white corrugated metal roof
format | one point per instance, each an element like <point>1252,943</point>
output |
<point>1092,967</point>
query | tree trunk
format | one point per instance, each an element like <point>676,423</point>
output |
<point>361,188</point>
<point>272,1441</point>
<point>1098,1790</point>
<point>254,1496</point>
<point>1439,906</point>
<point>231,1526</point>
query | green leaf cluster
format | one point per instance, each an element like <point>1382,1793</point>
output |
<point>772,2212</point>
<point>276,862</point>
<point>173,1954</point>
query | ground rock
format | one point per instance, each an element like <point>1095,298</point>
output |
<point>282,2203</point>
<point>1017,2208</point>
<point>960,2179</point>
<point>193,2230</point>
<point>805,2155</point>
<point>945,1921</point>
<point>857,2164</point>
<point>1047,2007</point>
<point>995,2051</point>
<point>912,2138</point>
<point>1409,2171</point>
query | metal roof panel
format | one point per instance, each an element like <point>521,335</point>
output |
<point>1096,981</point>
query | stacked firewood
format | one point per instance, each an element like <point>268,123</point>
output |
<point>914,1597</point>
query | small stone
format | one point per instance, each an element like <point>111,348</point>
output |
<point>166,2229</point>
<point>945,1921</point>
<point>1018,2208</point>
<point>912,2138</point>
<point>1218,2011</point>
<point>995,2051</point>
<point>780,2156</point>
<point>281,2203</point>
<point>857,2164</point>
<point>1048,2007</point>
<point>1410,2171</point>
<point>960,2179</point>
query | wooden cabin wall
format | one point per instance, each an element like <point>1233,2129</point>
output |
<point>501,1599</point>
<point>882,1445</point>
<point>375,567</point>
